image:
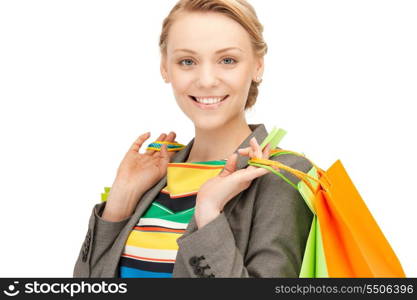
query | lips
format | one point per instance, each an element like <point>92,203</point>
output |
<point>194,99</point>
<point>210,106</point>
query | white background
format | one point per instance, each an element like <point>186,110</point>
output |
<point>79,81</point>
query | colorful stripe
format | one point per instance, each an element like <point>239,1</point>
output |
<point>185,179</point>
<point>171,146</point>
<point>151,248</point>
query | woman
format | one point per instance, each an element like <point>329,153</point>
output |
<point>241,221</point>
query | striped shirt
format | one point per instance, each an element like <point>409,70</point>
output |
<point>151,248</point>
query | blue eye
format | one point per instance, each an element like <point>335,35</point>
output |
<point>181,62</point>
<point>229,58</point>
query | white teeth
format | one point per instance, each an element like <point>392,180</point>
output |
<point>209,100</point>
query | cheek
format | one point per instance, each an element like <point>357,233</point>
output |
<point>240,87</point>
<point>239,80</point>
<point>180,81</point>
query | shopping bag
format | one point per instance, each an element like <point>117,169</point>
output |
<point>344,238</point>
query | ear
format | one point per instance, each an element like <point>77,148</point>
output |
<point>259,67</point>
<point>163,69</point>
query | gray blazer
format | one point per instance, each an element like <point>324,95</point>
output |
<point>261,232</point>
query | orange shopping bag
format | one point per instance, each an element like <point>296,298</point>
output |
<point>344,240</point>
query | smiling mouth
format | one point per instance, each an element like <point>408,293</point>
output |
<point>208,102</point>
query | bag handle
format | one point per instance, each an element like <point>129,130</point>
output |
<point>171,146</point>
<point>322,174</point>
<point>270,164</point>
<point>273,138</point>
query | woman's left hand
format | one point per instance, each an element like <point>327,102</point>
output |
<point>217,191</point>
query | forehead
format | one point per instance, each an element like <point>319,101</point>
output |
<point>204,32</point>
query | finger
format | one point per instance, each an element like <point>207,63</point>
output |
<point>251,174</point>
<point>160,138</point>
<point>164,152</point>
<point>139,141</point>
<point>267,150</point>
<point>248,151</point>
<point>172,153</point>
<point>174,135</point>
<point>168,138</point>
<point>256,148</point>
<point>230,165</point>
<point>244,151</point>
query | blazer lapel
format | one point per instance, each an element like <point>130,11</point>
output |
<point>260,133</point>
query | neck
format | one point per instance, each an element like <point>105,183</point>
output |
<point>218,143</point>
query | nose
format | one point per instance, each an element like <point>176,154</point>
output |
<point>207,76</point>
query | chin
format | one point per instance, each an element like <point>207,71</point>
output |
<point>209,123</point>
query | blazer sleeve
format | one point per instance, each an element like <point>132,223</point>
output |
<point>280,225</point>
<point>100,237</point>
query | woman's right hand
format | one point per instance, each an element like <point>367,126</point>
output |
<point>137,173</point>
<point>143,170</point>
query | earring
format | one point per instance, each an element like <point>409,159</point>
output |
<point>258,79</point>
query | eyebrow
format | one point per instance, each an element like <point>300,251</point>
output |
<point>218,51</point>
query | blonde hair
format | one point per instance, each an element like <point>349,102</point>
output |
<point>239,10</point>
